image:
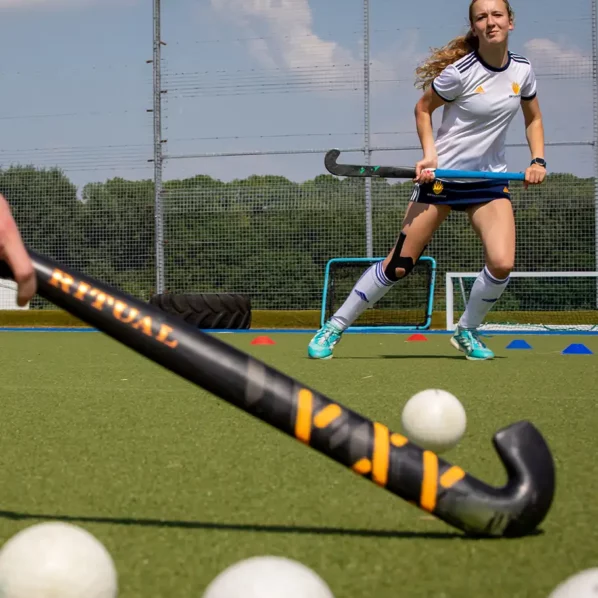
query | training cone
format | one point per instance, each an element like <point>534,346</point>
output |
<point>577,349</point>
<point>417,337</point>
<point>519,344</point>
<point>262,340</point>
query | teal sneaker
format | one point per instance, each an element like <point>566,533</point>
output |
<point>321,345</point>
<point>468,341</point>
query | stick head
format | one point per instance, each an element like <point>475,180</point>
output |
<point>531,472</point>
<point>330,160</point>
<point>517,508</point>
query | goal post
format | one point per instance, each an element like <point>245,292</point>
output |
<point>532,301</point>
<point>408,305</point>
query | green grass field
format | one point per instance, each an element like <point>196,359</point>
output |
<point>179,484</point>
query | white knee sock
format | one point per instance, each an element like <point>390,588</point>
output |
<point>369,289</point>
<point>485,292</point>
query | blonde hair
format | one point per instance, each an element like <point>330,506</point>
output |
<point>451,52</point>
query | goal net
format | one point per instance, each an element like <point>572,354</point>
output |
<point>532,301</point>
<point>407,305</point>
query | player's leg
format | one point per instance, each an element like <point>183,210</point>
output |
<point>494,223</point>
<point>420,223</point>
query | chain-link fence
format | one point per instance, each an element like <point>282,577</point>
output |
<point>235,127</point>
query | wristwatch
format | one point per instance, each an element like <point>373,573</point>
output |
<point>539,162</point>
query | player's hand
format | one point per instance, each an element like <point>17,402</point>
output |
<point>534,175</point>
<point>14,253</point>
<point>422,172</point>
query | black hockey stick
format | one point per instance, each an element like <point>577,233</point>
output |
<point>365,171</point>
<point>366,447</point>
<point>407,172</point>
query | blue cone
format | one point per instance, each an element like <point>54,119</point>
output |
<point>577,349</point>
<point>519,344</point>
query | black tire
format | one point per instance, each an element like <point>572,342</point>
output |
<point>208,310</point>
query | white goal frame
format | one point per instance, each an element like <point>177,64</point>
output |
<point>449,286</point>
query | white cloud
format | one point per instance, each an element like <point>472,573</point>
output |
<point>552,58</point>
<point>259,50</point>
<point>282,38</point>
<point>290,40</point>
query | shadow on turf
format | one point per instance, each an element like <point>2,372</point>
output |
<point>247,527</point>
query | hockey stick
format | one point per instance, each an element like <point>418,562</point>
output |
<point>407,172</point>
<point>366,447</point>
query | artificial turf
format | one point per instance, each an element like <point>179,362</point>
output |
<point>179,484</point>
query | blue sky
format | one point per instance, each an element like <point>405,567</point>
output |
<point>252,75</point>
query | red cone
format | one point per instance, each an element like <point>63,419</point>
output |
<point>262,340</point>
<point>417,337</point>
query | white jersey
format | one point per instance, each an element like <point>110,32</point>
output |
<point>481,103</point>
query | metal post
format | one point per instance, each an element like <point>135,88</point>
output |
<point>158,215</point>
<point>366,119</point>
<point>595,81</point>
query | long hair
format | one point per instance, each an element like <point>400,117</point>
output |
<point>457,48</point>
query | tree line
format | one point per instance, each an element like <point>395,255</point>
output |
<point>271,238</point>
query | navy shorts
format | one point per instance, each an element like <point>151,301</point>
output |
<point>458,195</point>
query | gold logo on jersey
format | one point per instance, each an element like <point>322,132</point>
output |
<point>506,190</point>
<point>438,187</point>
<point>480,89</point>
<point>516,88</point>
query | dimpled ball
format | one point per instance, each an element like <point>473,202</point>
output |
<point>54,559</point>
<point>268,577</point>
<point>434,419</point>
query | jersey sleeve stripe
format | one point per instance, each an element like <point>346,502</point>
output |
<point>517,55</point>
<point>463,64</point>
<point>520,59</point>
<point>439,94</point>
<point>529,98</point>
<point>465,68</point>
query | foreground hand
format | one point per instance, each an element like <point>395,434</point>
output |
<point>422,174</point>
<point>534,175</point>
<point>13,252</point>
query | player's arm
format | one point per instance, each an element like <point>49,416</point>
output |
<point>424,108</point>
<point>534,132</point>
<point>13,252</point>
<point>445,87</point>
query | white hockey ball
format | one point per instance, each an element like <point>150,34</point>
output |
<point>268,577</point>
<point>56,559</point>
<point>580,585</point>
<point>434,419</point>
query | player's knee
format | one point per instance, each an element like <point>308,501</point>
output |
<point>395,272</point>
<point>500,267</point>
<point>397,266</point>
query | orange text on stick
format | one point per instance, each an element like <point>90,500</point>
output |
<point>329,414</point>
<point>305,406</point>
<point>81,290</point>
<point>380,454</point>
<point>119,310</point>
<point>145,325</point>
<point>101,299</point>
<point>429,489</point>
<point>431,482</point>
<point>164,334</point>
<point>363,466</point>
<point>62,281</point>
<point>451,476</point>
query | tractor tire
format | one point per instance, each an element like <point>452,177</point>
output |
<point>207,310</point>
